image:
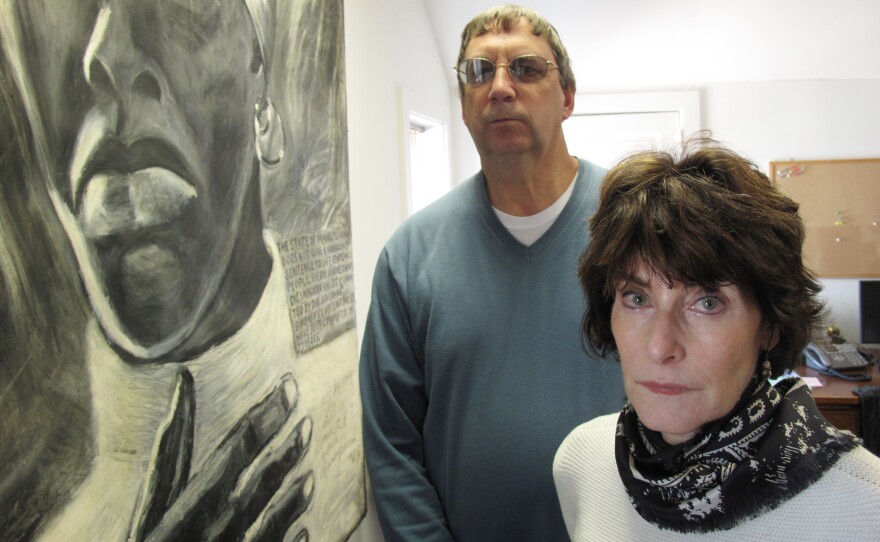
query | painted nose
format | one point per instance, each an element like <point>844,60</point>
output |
<point>115,68</point>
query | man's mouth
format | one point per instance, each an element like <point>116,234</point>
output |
<point>503,119</point>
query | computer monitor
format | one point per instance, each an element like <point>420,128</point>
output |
<point>869,313</point>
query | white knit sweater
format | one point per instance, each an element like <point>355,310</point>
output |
<point>842,505</point>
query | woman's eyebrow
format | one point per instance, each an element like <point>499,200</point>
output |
<point>634,279</point>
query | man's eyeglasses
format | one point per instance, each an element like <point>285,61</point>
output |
<point>523,69</point>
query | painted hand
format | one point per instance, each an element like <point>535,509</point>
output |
<point>252,486</point>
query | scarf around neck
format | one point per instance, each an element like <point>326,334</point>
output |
<point>772,445</point>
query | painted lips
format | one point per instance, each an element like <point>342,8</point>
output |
<point>119,202</point>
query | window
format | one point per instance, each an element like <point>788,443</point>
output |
<point>606,127</point>
<point>428,176</point>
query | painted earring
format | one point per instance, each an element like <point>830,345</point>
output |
<point>269,132</point>
<point>766,373</point>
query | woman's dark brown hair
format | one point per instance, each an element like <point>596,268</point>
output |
<point>706,217</point>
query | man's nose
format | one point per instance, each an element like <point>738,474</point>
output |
<point>502,84</point>
<point>665,334</point>
<point>115,68</point>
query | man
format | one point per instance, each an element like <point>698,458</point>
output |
<point>472,370</point>
<point>153,168</point>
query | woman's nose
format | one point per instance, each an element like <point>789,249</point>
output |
<point>664,340</point>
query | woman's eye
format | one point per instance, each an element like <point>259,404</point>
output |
<point>709,304</point>
<point>635,300</point>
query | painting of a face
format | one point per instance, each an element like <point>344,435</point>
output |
<point>154,170</point>
<point>176,257</point>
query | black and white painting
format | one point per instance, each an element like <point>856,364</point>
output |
<point>177,340</point>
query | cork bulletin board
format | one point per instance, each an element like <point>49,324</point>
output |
<point>840,204</point>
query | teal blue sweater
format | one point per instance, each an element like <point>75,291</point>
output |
<point>472,370</point>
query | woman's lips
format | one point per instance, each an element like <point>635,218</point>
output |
<point>664,388</point>
<point>118,202</point>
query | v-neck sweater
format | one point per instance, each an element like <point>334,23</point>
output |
<point>472,369</point>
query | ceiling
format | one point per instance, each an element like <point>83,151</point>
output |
<point>620,45</point>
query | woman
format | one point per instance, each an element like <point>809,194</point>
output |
<point>695,281</point>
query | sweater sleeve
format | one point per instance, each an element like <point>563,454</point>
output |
<point>567,484</point>
<point>394,407</point>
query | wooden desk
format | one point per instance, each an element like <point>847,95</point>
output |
<point>836,399</point>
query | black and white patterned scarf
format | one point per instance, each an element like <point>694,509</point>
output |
<point>774,444</point>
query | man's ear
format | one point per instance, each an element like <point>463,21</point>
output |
<point>568,103</point>
<point>461,99</point>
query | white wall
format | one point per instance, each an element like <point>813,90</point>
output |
<point>784,120</point>
<point>646,43</point>
<point>388,46</point>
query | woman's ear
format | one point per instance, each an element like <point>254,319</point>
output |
<point>770,336</point>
